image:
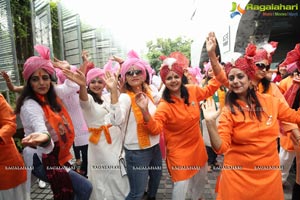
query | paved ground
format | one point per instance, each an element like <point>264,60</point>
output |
<point>165,188</point>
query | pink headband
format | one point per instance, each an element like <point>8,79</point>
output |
<point>170,64</point>
<point>93,73</point>
<point>133,60</point>
<point>38,62</point>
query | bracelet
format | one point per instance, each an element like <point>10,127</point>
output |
<point>44,144</point>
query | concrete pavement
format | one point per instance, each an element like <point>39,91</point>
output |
<point>165,188</point>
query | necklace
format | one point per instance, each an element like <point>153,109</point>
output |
<point>270,117</point>
<point>269,121</point>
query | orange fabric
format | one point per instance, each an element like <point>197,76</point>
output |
<point>285,140</point>
<point>185,149</point>
<point>217,184</point>
<point>273,90</point>
<point>276,92</point>
<point>12,168</point>
<point>222,96</point>
<point>143,133</point>
<point>96,133</point>
<point>284,84</point>
<point>63,126</point>
<point>247,144</point>
<point>223,79</point>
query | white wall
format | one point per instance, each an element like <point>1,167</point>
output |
<point>214,15</point>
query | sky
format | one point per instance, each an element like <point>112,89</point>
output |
<point>136,21</point>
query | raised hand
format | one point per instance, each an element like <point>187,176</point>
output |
<point>209,110</point>
<point>111,81</point>
<point>77,76</point>
<point>117,59</point>
<point>211,43</point>
<point>85,56</point>
<point>61,64</point>
<point>5,76</point>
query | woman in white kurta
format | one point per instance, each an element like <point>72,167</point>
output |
<point>101,113</point>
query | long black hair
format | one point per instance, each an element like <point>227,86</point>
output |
<point>96,98</point>
<point>28,93</point>
<point>231,101</point>
<point>183,90</point>
<point>266,84</point>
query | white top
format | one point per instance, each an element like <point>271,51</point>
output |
<point>34,120</point>
<point>131,139</point>
<point>33,117</point>
<point>103,158</point>
<point>71,102</point>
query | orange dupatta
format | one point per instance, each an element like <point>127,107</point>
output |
<point>63,126</point>
<point>142,132</point>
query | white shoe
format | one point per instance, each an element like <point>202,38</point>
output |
<point>42,184</point>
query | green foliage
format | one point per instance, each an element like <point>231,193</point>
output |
<point>21,18</point>
<point>20,12</point>
<point>55,29</point>
<point>165,47</point>
<point>18,144</point>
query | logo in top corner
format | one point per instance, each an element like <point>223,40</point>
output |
<point>236,10</point>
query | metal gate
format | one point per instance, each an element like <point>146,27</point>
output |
<point>41,23</point>
<point>70,35</point>
<point>8,58</point>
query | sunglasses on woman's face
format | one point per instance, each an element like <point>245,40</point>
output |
<point>262,66</point>
<point>134,72</point>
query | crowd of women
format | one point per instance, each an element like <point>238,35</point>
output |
<point>119,111</point>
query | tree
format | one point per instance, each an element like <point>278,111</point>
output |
<point>165,47</point>
<point>21,17</point>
